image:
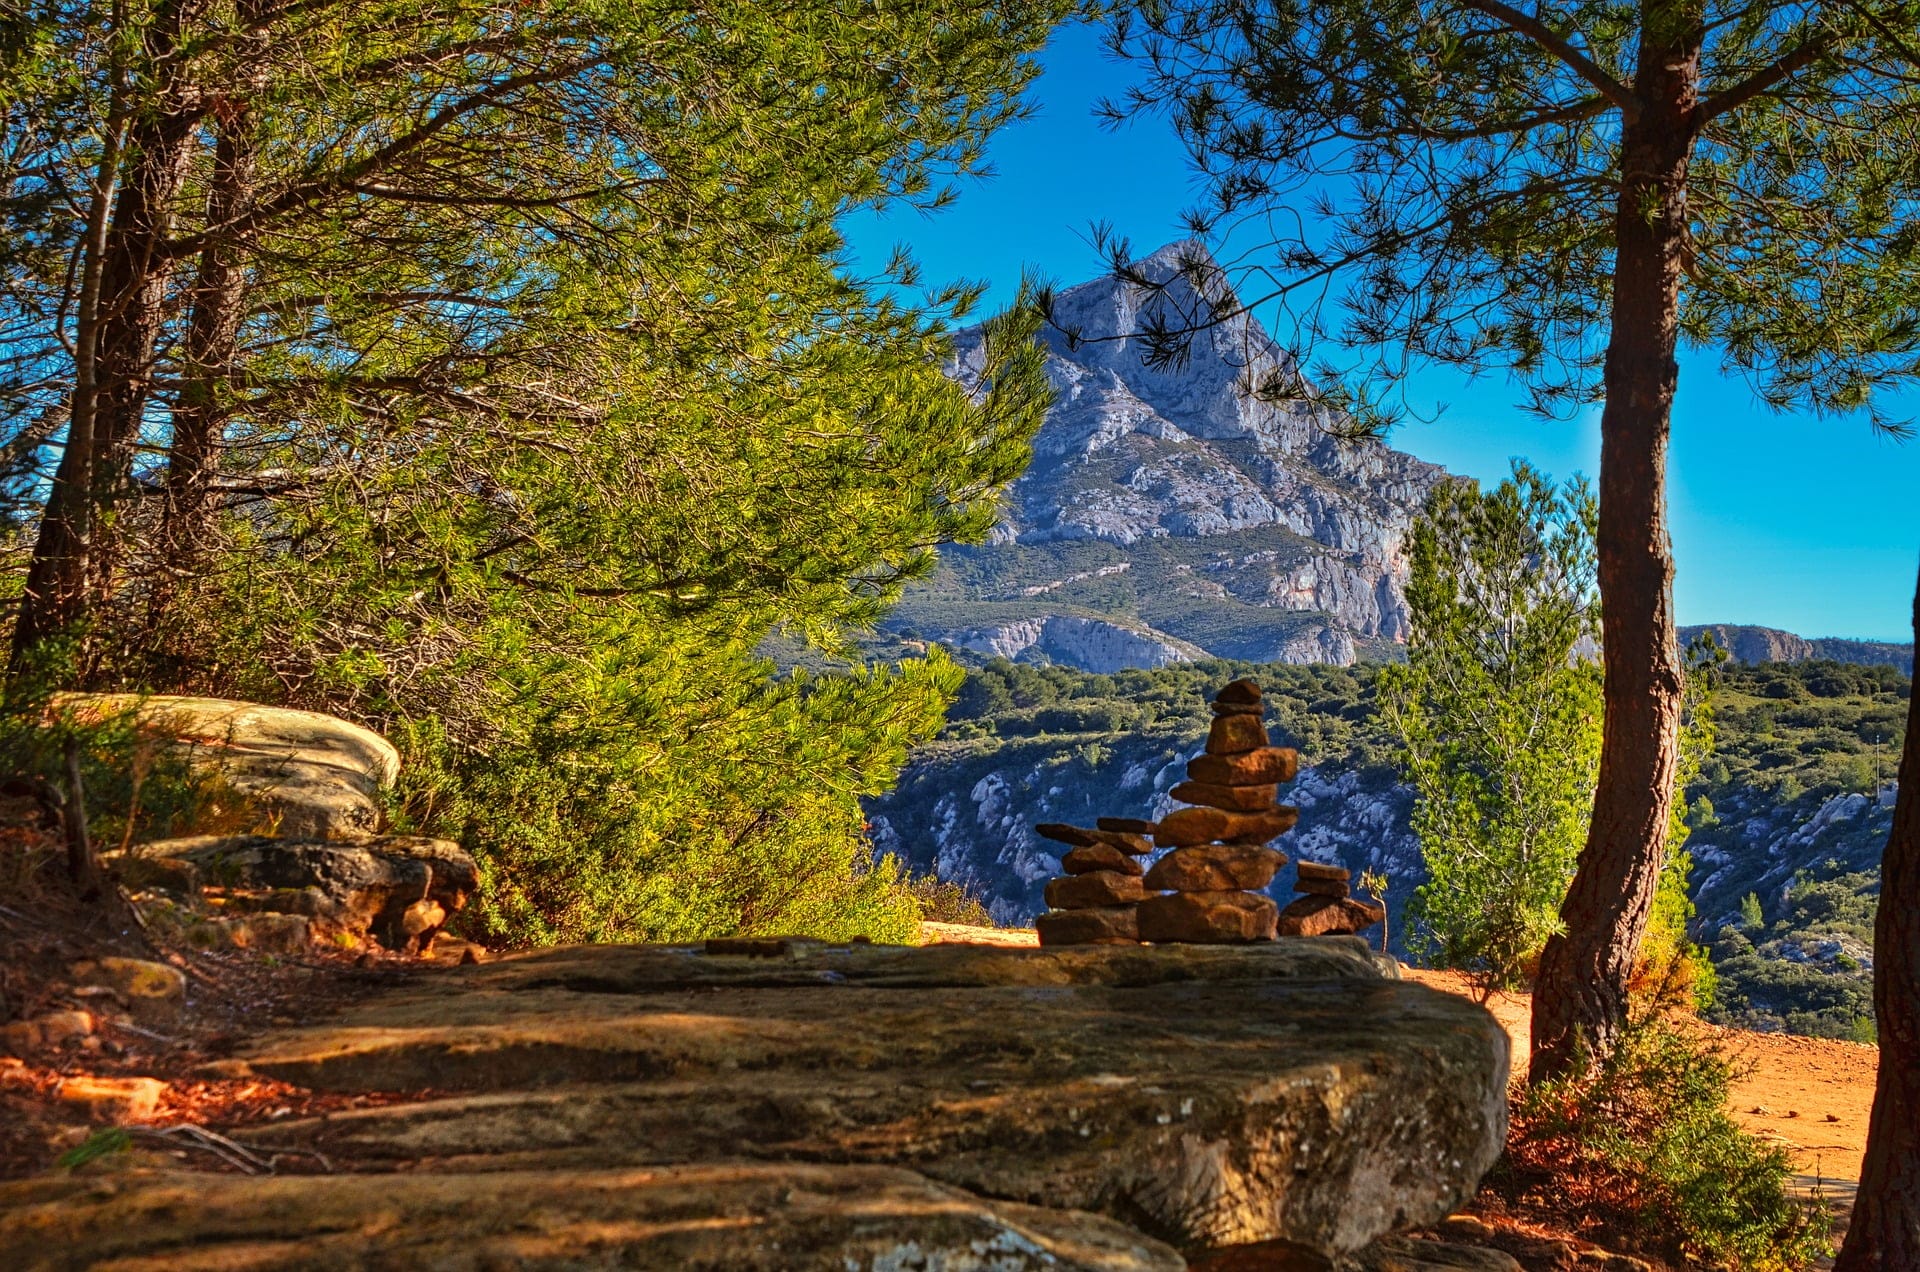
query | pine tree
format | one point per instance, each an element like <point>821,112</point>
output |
<point>332,231</point>
<point>498,377</point>
<point>1564,195</point>
<point>1498,715</point>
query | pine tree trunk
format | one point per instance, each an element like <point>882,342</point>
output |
<point>73,552</point>
<point>219,303</point>
<point>1884,1234</point>
<point>1580,995</point>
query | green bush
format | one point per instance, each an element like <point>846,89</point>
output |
<point>1645,1141</point>
<point>643,806</point>
<point>942,901</point>
<point>135,789</point>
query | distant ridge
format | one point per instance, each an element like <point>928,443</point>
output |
<point>1751,644</point>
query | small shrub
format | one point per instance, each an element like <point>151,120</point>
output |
<point>136,788</point>
<point>943,901</point>
<point>1643,1143</point>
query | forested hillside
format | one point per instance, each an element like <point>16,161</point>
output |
<point>1790,810</point>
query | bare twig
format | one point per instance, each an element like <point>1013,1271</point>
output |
<point>83,867</point>
<point>194,1136</point>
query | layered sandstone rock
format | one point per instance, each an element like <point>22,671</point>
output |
<point>775,1103</point>
<point>398,890</point>
<point>736,1217</point>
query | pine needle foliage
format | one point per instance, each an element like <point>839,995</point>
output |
<point>498,377</point>
<point>1498,712</point>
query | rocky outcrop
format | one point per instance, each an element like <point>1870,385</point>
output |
<point>1215,509</point>
<point>1749,644</point>
<point>758,1100</point>
<point>312,784</point>
<point>398,890</point>
<point>308,775</point>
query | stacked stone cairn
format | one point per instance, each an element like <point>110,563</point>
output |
<point>1097,902</point>
<point>1209,890</point>
<point>1325,907</point>
<point>1219,861</point>
<point>1212,881</point>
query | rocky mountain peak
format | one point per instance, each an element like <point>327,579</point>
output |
<point>1180,501</point>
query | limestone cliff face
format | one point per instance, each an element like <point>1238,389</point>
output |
<point>1186,501</point>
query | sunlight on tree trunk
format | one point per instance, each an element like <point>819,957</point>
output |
<point>1884,1233</point>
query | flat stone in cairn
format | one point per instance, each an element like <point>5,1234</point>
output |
<point>1235,735</point>
<point>1187,826</point>
<point>1220,917</point>
<point>1215,867</point>
<point>1238,693</point>
<point>1088,891</point>
<point>1079,861</point>
<point>1109,925</point>
<point>1321,887</point>
<point>1081,837</point>
<point>1316,870</point>
<point>1126,825</point>
<point>1253,768</point>
<point>1329,916</point>
<point>1238,799</point>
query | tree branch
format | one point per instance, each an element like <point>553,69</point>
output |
<point>294,304</point>
<point>1586,108</point>
<point>1763,80</point>
<point>1885,32</point>
<point>310,192</point>
<point>1561,47</point>
<point>382,190</point>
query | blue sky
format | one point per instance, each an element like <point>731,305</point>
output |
<point>1812,525</point>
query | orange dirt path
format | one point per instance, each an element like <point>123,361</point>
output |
<point>1812,1096</point>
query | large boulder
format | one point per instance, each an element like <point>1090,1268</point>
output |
<point>1209,1096</point>
<point>308,775</point>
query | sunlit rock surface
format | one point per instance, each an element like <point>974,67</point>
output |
<point>1193,1096</point>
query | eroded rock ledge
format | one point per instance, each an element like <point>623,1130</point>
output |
<point>1104,1106</point>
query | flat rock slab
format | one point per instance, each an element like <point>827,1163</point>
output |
<point>708,1218</point>
<point>1206,1096</point>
